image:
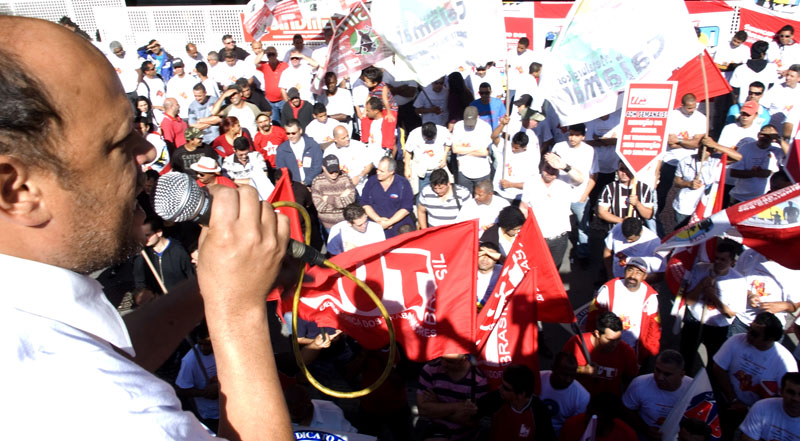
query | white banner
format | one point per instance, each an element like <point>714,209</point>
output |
<point>435,37</point>
<point>605,44</point>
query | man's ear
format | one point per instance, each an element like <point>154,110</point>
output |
<point>21,196</point>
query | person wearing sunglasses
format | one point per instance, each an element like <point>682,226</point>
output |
<point>228,43</point>
<point>783,50</point>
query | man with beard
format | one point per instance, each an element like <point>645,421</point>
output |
<point>636,305</point>
<point>64,217</point>
<point>268,138</point>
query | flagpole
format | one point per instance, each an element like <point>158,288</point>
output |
<point>508,113</point>
<point>582,342</point>
<point>632,192</point>
<point>705,90</point>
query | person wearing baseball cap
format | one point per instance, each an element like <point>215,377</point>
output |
<point>331,191</point>
<point>635,302</point>
<point>471,140</point>
<point>208,173</point>
<point>191,152</point>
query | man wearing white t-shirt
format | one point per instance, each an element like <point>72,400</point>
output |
<point>127,67</point>
<point>180,87</point>
<point>776,418</point>
<point>563,396</point>
<point>320,129</point>
<point>695,175</point>
<point>520,164</point>
<point>757,68</point>
<point>783,50</point>
<point>630,239</point>
<point>297,75</point>
<point>760,159</point>
<point>650,398</point>
<point>355,158</point>
<point>749,367</point>
<point>716,292</point>
<point>426,150</point>
<point>484,206</point>
<point>227,72</point>
<point>431,104</point>
<point>782,102</point>
<point>769,288</point>
<point>578,157</point>
<point>471,140</point>
<point>354,231</point>
<point>685,127</point>
<point>549,198</point>
<point>731,55</point>
<point>519,62</point>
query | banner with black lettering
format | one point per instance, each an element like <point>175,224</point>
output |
<point>355,45</point>
<point>605,44</point>
<point>426,280</point>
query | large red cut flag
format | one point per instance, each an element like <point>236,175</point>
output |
<point>426,280</point>
<point>770,224</point>
<point>529,250</point>
<point>515,337</point>
<point>283,192</point>
<point>690,79</point>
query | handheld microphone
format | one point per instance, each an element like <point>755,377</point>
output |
<point>178,198</point>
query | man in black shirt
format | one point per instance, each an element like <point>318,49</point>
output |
<point>191,152</point>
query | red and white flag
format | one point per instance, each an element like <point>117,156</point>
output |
<point>260,14</point>
<point>426,280</point>
<point>529,250</point>
<point>770,224</point>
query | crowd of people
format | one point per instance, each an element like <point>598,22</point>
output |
<point>371,158</point>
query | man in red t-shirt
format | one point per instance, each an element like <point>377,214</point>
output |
<point>172,126</point>
<point>268,138</point>
<point>272,70</point>
<point>613,362</point>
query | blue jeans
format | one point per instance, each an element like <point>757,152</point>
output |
<point>277,106</point>
<point>579,210</point>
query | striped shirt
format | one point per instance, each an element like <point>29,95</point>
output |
<point>443,211</point>
<point>434,379</point>
<point>615,198</point>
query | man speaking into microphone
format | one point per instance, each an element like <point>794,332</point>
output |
<point>70,170</point>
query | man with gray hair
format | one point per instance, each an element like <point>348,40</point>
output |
<point>388,199</point>
<point>128,69</point>
<point>650,398</point>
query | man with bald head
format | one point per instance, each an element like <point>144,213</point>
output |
<point>62,217</point>
<point>355,158</point>
<point>172,126</point>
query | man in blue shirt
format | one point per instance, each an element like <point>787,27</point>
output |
<point>490,109</point>
<point>388,198</point>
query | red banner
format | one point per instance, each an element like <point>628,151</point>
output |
<point>426,280</point>
<point>283,192</point>
<point>762,25</point>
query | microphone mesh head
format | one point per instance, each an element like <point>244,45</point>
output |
<point>177,197</point>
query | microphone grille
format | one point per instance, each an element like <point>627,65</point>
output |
<point>177,197</point>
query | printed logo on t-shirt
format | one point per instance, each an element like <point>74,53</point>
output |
<point>524,431</point>
<point>606,372</point>
<point>394,196</point>
<point>626,322</point>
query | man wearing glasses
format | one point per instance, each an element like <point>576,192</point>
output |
<point>161,59</point>
<point>229,43</point>
<point>783,51</point>
<point>760,159</point>
<point>490,109</point>
<point>754,93</point>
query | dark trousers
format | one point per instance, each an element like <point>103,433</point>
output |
<point>558,247</point>
<point>712,337</point>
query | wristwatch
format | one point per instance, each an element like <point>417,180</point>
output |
<point>567,168</point>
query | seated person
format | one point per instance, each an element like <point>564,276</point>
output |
<point>354,231</point>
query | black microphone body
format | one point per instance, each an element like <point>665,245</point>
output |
<point>178,198</point>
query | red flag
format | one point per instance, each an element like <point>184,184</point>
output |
<point>529,250</point>
<point>793,160</point>
<point>355,45</point>
<point>690,79</point>
<point>515,337</point>
<point>426,280</point>
<point>283,192</point>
